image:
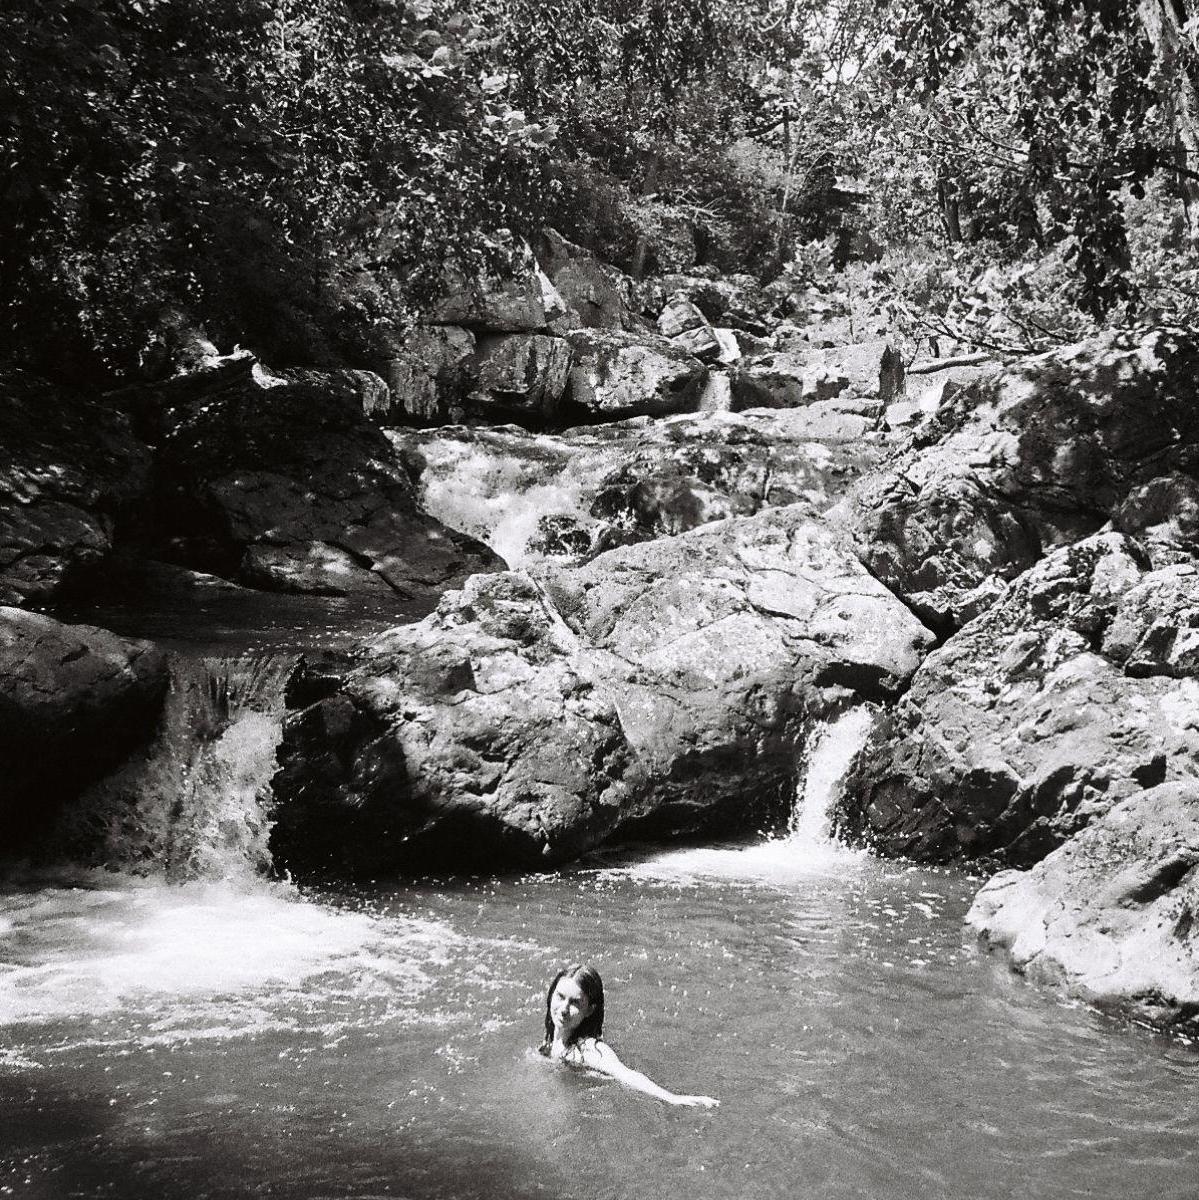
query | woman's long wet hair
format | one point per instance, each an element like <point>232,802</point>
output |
<point>592,986</point>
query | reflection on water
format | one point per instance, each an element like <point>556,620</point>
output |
<point>197,1041</point>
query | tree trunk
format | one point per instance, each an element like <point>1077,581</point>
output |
<point>947,201</point>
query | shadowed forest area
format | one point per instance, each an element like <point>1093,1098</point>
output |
<point>305,178</point>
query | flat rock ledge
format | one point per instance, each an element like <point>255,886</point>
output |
<point>1111,915</point>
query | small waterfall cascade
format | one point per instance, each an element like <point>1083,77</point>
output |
<point>527,496</point>
<point>195,804</point>
<point>830,749</point>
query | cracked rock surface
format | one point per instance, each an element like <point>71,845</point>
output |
<point>664,687</point>
<point>1111,915</point>
<point>1014,465</point>
<point>1075,691</point>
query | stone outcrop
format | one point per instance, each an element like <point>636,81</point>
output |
<point>664,687</point>
<point>1072,693</point>
<point>286,485</point>
<point>476,737</point>
<point>1113,915</point>
<point>1163,515</point>
<point>872,372</point>
<point>618,375</point>
<point>682,323</point>
<point>73,700</point>
<point>773,595</point>
<point>72,469</point>
<point>595,294</point>
<point>735,301</point>
<point>516,304</point>
<point>1036,457</point>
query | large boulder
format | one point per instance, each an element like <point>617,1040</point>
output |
<point>72,469</point>
<point>1163,515</point>
<point>617,375</point>
<point>476,738</point>
<point>735,301</point>
<point>595,293</point>
<point>789,378</point>
<point>533,495</point>
<point>494,304</point>
<point>773,595</point>
<point>1035,457</point>
<point>665,687</point>
<point>1073,692</point>
<point>287,485</point>
<point>73,701</point>
<point>682,323</point>
<point>1113,915</point>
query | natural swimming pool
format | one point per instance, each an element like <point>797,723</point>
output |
<point>213,1041</point>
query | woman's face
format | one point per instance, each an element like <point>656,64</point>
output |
<point>569,1007</point>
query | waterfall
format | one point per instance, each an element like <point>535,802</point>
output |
<point>195,803</point>
<point>827,756</point>
<point>808,848</point>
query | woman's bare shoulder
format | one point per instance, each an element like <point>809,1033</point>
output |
<point>597,1054</point>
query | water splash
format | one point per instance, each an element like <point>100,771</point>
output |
<point>199,959</point>
<point>808,846</point>
<point>195,804</point>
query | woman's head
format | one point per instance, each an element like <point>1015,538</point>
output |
<point>574,1005</point>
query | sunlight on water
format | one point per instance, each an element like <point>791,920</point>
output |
<point>808,848</point>
<point>90,951</point>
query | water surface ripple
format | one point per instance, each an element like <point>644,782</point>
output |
<point>199,1041</point>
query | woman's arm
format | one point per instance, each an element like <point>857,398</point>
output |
<point>599,1056</point>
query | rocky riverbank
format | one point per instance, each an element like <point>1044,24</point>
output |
<point>661,533</point>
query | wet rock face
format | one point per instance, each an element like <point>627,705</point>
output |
<point>71,469</point>
<point>289,487</point>
<point>1036,457</point>
<point>1113,915</point>
<point>665,686</point>
<point>73,701</point>
<point>1073,692</point>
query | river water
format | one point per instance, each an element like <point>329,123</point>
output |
<point>221,1040</point>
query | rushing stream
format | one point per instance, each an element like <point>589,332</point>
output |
<point>230,1039</point>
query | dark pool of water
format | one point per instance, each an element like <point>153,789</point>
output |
<point>195,614</point>
<point>205,1042</point>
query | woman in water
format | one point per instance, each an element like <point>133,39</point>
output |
<point>574,1021</point>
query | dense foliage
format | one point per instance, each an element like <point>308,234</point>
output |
<point>302,176</point>
<point>246,162</point>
